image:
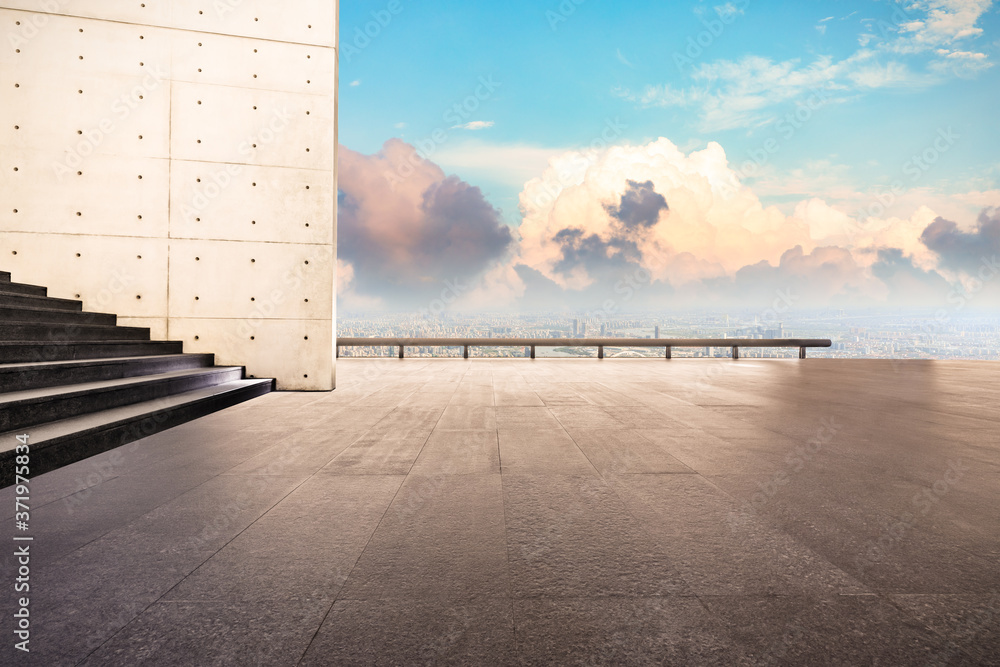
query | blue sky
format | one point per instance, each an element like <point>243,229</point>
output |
<point>880,81</point>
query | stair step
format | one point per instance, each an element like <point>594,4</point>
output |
<point>55,316</point>
<point>23,301</point>
<point>37,352</point>
<point>29,332</point>
<point>79,384</point>
<point>18,377</point>
<point>23,409</point>
<point>21,288</point>
<point>60,443</point>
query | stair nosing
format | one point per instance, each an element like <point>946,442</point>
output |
<point>67,324</point>
<point>34,309</point>
<point>31,287</point>
<point>19,295</point>
<point>99,361</point>
<point>10,343</point>
<point>103,386</point>
<point>207,392</point>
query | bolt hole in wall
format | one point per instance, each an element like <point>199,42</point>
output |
<point>238,109</point>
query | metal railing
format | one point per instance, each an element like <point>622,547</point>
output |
<point>599,343</point>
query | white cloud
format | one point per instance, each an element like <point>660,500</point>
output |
<point>821,28</point>
<point>713,228</point>
<point>711,217</point>
<point>703,236</point>
<point>622,59</point>
<point>945,22</point>
<point>345,276</point>
<point>512,164</point>
<point>474,125</point>
<point>735,94</point>
<point>355,83</point>
<point>961,63</point>
<point>729,9</point>
<point>892,74</point>
<point>738,93</point>
<point>347,297</point>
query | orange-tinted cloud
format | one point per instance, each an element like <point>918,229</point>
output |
<point>406,228</point>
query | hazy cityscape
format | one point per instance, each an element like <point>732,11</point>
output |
<point>913,334</point>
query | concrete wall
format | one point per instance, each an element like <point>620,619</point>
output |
<point>174,161</point>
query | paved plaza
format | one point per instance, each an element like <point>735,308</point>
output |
<point>505,512</point>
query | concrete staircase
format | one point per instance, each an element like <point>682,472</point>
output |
<point>78,385</point>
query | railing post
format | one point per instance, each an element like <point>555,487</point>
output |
<point>532,351</point>
<point>466,352</point>
<point>600,351</point>
<point>400,351</point>
<point>736,352</point>
<point>802,353</point>
<point>338,352</point>
<point>668,352</point>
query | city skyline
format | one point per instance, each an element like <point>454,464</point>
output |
<point>682,158</point>
<point>858,335</point>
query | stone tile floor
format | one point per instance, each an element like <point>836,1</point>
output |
<point>691,512</point>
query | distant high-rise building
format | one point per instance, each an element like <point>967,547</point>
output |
<point>604,329</point>
<point>576,327</point>
<point>656,331</point>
